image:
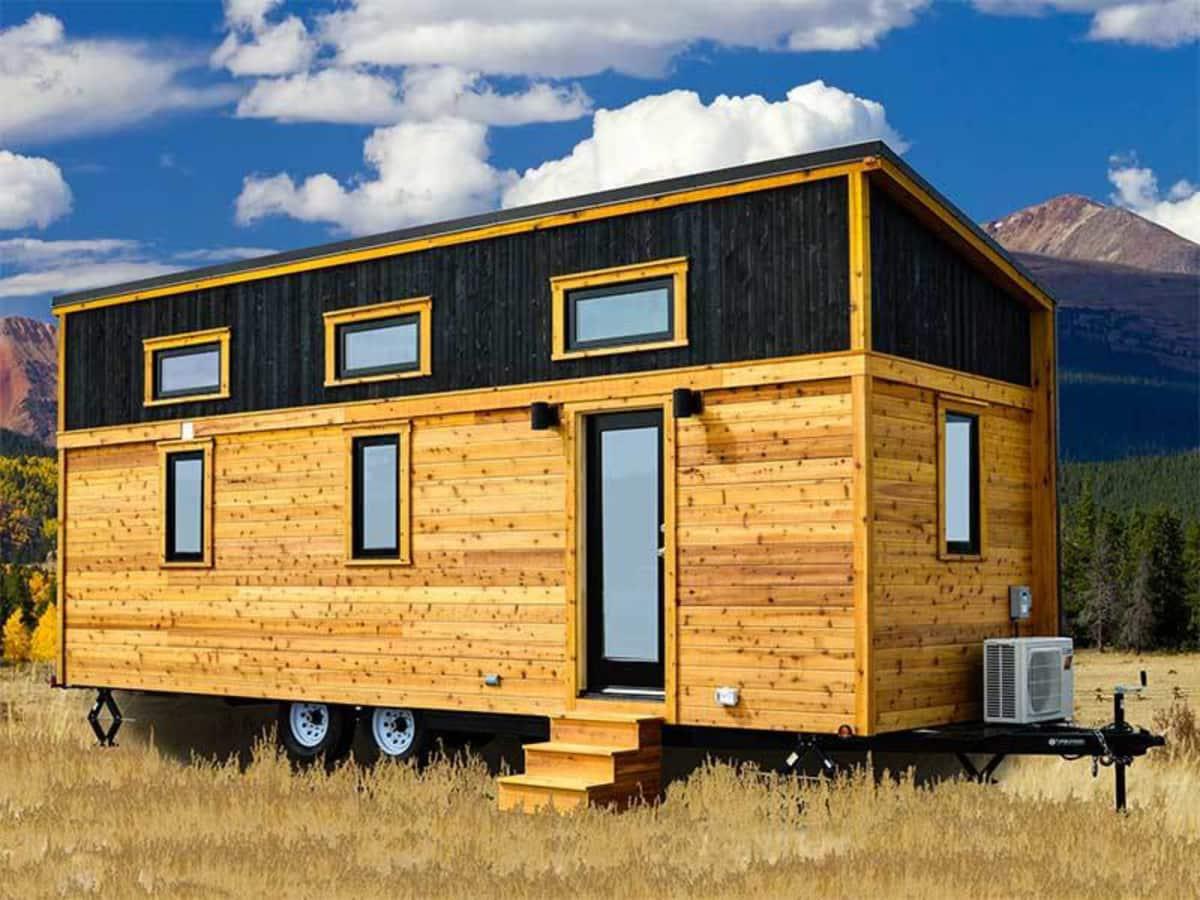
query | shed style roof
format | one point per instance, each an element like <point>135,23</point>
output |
<point>266,266</point>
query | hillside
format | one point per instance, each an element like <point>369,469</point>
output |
<point>1075,227</point>
<point>1128,324</point>
<point>28,373</point>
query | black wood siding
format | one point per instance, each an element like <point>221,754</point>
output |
<point>768,276</point>
<point>931,305</point>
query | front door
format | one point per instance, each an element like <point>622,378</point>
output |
<point>624,553</point>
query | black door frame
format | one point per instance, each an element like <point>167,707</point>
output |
<point>604,673</point>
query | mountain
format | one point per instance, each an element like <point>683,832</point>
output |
<point>1128,324</point>
<point>1075,227</point>
<point>28,378</point>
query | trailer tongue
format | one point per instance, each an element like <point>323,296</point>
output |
<point>1116,744</point>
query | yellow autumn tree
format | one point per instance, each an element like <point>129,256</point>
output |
<point>16,639</point>
<point>44,645</point>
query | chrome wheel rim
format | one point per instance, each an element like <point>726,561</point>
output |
<point>394,730</point>
<point>309,722</point>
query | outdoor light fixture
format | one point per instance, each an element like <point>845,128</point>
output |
<point>687,403</point>
<point>543,416</point>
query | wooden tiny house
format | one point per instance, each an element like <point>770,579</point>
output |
<point>785,430</point>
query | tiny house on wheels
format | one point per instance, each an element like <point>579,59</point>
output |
<point>768,450</point>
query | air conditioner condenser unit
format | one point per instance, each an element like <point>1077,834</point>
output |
<point>1028,680</point>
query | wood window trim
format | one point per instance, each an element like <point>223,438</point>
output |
<point>402,430</point>
<point>152,346</point>
<point>165,450</point>
<point>964,406</point>
<point>422,307</point>
<point>675,268</point>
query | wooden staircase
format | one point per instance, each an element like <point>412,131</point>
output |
<point>591,759</point>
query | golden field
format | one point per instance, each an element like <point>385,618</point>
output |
<point>139,821</point>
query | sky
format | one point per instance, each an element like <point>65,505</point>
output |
<point>138,138</point>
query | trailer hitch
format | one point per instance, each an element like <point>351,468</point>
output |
<point>105,736</point>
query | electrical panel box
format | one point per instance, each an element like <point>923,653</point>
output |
<point>1020,602</point>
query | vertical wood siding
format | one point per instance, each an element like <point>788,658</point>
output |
<point>931,615</point>
<point>930,304</point>
<point>768,277</point>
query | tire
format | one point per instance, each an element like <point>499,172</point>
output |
<point>399,734</point>
<point>312,731</point>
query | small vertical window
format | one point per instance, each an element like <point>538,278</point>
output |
<point>960,487</point>
<point>187,523</point>
<point>379,497</point>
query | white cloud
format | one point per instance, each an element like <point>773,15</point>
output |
<point>32,191</point>
<point>255,46</point>
<point>353,96</point>
<point>676,134</point>
<point>1137,190</point>
<point>1154,23</point>
<point>561,38</point>
<point>30,267</point>
<point>54,87</point>
<point>425,171</point>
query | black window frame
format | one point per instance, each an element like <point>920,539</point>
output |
<point>572,296</point>
<point>342,329</point>
<point>973,546</point>
<point>357,551</point>
<point>188,350</point>
<point>170,554</point>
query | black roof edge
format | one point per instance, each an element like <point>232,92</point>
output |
<point>781,166</point>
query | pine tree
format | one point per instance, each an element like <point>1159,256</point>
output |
<point>1167,580</point>
<point>16,638</point>
<point>1138,626</point>
<point>1101,612</point>
<point>1079,534</point>
<point>1191,565</point>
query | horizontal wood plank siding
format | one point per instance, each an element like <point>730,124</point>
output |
<point>765,558</point>
<point>280,615</point>
<point>931,616</point>
<point>931,304</point>
<point>767,277</point>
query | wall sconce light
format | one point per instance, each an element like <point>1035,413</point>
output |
<point>687,403</point>
<point>543,416</point>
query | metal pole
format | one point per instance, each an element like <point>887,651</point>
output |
<point>1119,767</point>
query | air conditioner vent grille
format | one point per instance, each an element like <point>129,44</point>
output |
<point>1002,678</point>
<point>1045,680</point>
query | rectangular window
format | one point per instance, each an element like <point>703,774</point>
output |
<point>379,496</point>
<point>960,488</point>
<point>379,342</point>
<point>620,310</point>
<point>187,367</point>
<point>187,502</point>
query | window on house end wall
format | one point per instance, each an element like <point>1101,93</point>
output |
<point>182,368</point>
<point>378,496</point>
<point>620,310</point>
<point>378,343</point>
<point>960,486</point>
<point>187,503</point>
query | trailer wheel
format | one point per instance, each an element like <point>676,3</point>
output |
<point>399,733</point>
<point>310,731</point>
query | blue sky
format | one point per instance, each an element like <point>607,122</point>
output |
<point>154,150</point>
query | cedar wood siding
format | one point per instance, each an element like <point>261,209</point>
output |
<point>930,304</point>
<point>768,277</point>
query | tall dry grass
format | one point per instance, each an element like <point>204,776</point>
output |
<point>134,822</point>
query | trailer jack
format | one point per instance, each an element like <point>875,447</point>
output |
<point>106,736</point>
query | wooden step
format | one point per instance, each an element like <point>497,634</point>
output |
<point>611,730</point>
<point>530,793</point>
<point>590,760</point>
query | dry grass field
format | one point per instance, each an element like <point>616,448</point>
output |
<point>136,821</point>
